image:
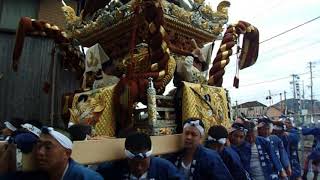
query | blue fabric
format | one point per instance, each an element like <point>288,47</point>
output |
<point>79,172</point>
<point>291,142</point>
<point>25,141</point>
<point>280,150</point>
<point>316,134</point>
<point>159,169</point>
<point>207,164</point>
<point>233,162</point>
<point>268,158</point>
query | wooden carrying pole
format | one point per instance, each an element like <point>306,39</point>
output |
<point>98,151</point>
<point>111,149</point>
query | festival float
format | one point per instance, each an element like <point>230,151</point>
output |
<point>135,48</point>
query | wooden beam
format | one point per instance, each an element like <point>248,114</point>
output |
<point>98,151</point>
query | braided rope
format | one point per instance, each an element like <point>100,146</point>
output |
<point>248,54</point>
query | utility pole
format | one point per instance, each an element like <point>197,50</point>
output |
<point>311,89</point>
<point>285,102</point>
<point>236,109</point>
<point>293,82</point>
<point>281,103</point>
<point>296,91</point>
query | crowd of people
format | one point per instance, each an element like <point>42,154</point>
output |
<point>259,149</point>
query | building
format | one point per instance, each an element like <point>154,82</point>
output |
<point>252,109</point>
<point>21,92</point>
<point>300,109</point>
<point>274,112</point>
<point>48,10</point>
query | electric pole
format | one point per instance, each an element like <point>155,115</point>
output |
<point>296,92</point>
<point>285,102</point>
<point>311,89</point>
<point>294,85</point>
<point>236,109</point>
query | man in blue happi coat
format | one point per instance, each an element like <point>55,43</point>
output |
<point>216,140</point>
<point>139,165</point>
<point>53,152</point>
<point>314,156</point>
<point>291,139</point>
<point>52,157</point>
<point>255,152</point>
<point>195,161</point>
<point>265,127</point>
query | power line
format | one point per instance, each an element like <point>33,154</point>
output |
<point>291,29</point>
<point>269,81</point>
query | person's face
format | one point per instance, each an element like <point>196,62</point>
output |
<point>6,132</point>
<point>50,155</point>
<point>264,131</point>
<point>251,137</point>
<point>237,137</point>
<point>288,124</point>
<point>139,166</point>
<point>277,132</point>
<point>191,137</point>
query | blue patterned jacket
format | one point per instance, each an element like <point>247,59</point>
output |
<point>280,150</point>
<point>291,143</point>
<point>206,164</point>
<point>268,158</point>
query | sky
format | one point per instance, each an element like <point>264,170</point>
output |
<point>280,57</point>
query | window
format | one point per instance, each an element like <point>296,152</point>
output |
<point>12,10</point>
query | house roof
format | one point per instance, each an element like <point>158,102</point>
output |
<point>251,104</point>
<point>279,109</point>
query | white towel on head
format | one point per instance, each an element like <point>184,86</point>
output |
<point>36,131</point>
<point>10,126</point>
<point>62,139</point>
<point>196,124</point>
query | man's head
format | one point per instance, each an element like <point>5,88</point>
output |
<point>252,133</point>
<point>278,128</point>
<point>193,131</point>
<point>238,134</point>
<point>11,126</point>
<point>138,149</point>
<point>80,132</point>
<point>53,150</point>
<point>33,126</point>
<point>289,123</point>
<point>217,137</point>
<point>264,126</point>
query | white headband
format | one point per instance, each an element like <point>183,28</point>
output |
<point>62,139</point>
<point>232,129</point>
<point>10,126</point>
<point>131,155</point>
<point>221,140</point>
<point>36,131</point>
<point>195,124</point>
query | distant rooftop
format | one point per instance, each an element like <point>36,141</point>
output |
<point>250,104</point>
